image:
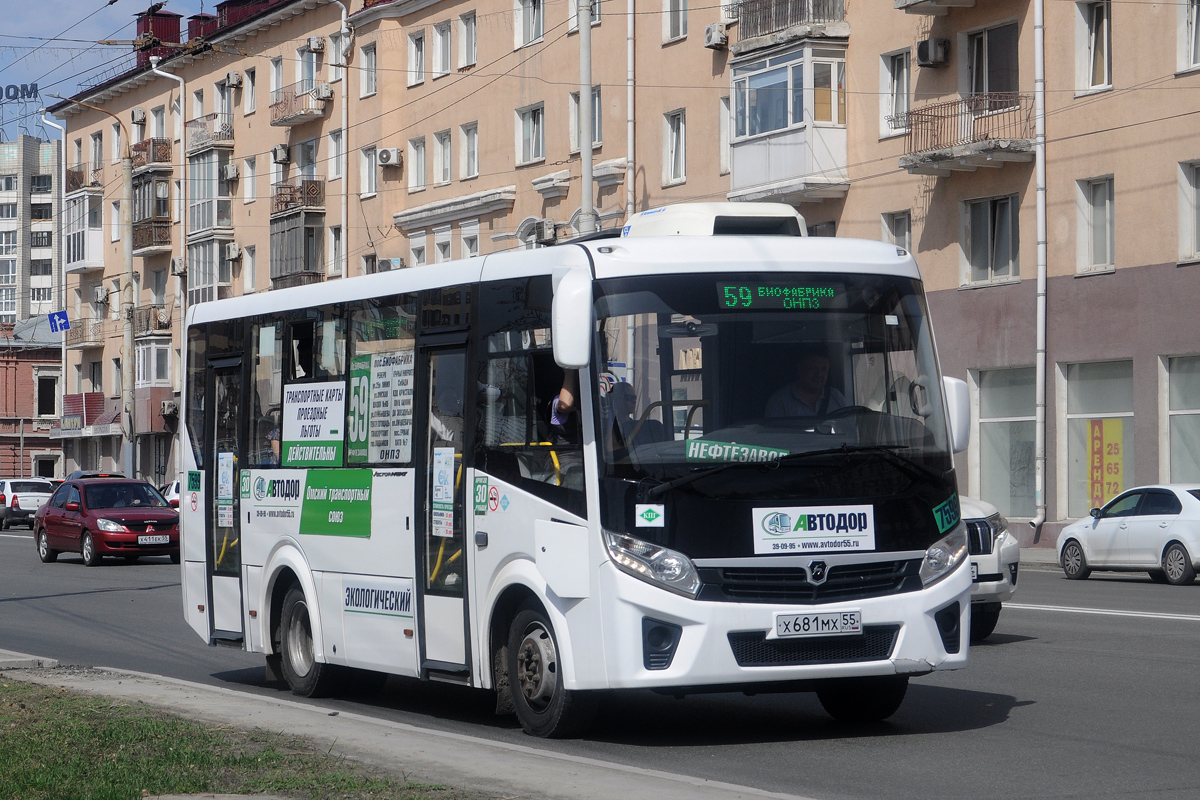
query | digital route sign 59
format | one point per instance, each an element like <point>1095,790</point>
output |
<point>794,296</point>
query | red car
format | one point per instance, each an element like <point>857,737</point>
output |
<point>99,517</point>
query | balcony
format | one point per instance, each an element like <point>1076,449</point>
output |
<point>213,130</point>
<point>84,250</point>
<point>85,333</point>
<point>299,103</point>
<point>984,130</point>
<point>763,17</point>
<point>302,193</point>
<point>792,165</point>
<point>296,279</point>
<point>152,321</point>
<point>151,237</point>
<point>81,177</point>
<point>931,7</point>
<point>152,154</point>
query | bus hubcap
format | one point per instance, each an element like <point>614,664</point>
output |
<point>537,666</point>
<point>300,640</point>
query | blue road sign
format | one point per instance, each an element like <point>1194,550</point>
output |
<point>59,321</point>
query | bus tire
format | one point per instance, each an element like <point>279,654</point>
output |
<point>863,699</point>
<point>543,705</point>
<point>306,676</point>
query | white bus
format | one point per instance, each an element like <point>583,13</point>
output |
<point>684,464</point>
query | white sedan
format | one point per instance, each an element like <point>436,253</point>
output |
<point>1154,529</point>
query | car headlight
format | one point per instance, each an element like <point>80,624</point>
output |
<point>108,526</point>
<point>660,566</point>
<point>944,555</point>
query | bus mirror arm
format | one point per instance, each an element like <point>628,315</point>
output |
<point>571,319</point>
<point>958,409</point>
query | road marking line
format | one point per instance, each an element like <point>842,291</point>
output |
<point>15,536</point>
<point>1107,612</point>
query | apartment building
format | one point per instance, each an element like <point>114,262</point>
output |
<point>30,195</point>
<point>29,399</point>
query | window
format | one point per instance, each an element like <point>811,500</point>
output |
<point>8,210</point>
<point>158,287</point>
<point>249,268</point>
<point>573,13</point>
<point>674,148</point>
<point>992,66</point>
<point>829,91</point>
<point>1006,429</point>
<point>416,58</point>
<point>276,75</point>
<point>207,269</point>
<point>337,61</point>
<point>41,267</point>
<point>530,21</point>
<point>894,91</point>
<point>416,164</point>
<point>441,244</point>
<point>8,183</point>
<point>115,221</point>
<point>382,345</point>
<point>1183,418</point>
<point>441,49</point>
<point>723,134</point>
<point>40,238</point>
<point>47,395</point>
<point>1099,430</point>
<point>769,94</point>
<point>249,97</point>
<point>151,199</point>
<point>442,155</point>
<point>197,104</point>
<point>337,155</point>
<point>466,39</point>
<point>40,294</point>
<point>366,86</point>
<point>992,239</point>
<point>116,142</point>
<point>306,68</point>
<point>97,152</point>
<point>306,158</point>
<point>41,184</point>
<point>250,179</point>
<point>336,249</point>
<point>153,364</point>
<point>1096,225</point>
<point>1099,45</point>
<point>8,244</point>
<point>469,241</point>
<point>897,229</point>
<point>41,212</point>
<point>470,150</point>
<point>676,21</point>
<point>76,157</point>
<point>139,132</point>
<point>368,171</point>
<point>597,119</point>
<point>115,300</point>
<point>158,122</point>
<point>209,205</point>
<point>1189,211</point>
<point>1192,42</point>
<point>531,133</point>
<point>118,378</point>
<point>417,251</point>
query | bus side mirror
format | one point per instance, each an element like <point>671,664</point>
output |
<point>958,409</point>
<point>571,319</point>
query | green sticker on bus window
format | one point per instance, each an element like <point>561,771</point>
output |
<point>193,481</point>
<point>481,495</point>
<point>947,514</point>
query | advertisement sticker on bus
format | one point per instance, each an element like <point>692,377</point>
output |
<point>313,414</point>
<point>381,406</point>
<point>442,501</point>
<point>814,529</point>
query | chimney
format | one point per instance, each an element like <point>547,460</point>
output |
<point>162,25</point>
<point>201,25</point>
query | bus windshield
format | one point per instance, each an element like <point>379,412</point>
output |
<point>796,385</point>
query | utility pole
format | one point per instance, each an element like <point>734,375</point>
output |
<point>587,214</point>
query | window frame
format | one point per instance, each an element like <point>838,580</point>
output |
<point>368,170</point>
<point>992,206</point>
<point>1086,240</point>
<point>531,129</point>
<point>894,105</point>
<point>368,84</point>
<point>674,142</point>
<point>416,57</point>
<point>443,158</point>
<point>530,25</point>
<point>468,44</point>
<point>469,163</point>
<point>417,176</point>
<point>442,44</point>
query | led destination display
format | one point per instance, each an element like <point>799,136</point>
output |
<point>785,296</point>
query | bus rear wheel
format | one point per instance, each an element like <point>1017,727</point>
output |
<point>306,676</point>
<point>543,704</point>
<point>863,699</point>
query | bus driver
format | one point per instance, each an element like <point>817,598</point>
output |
<point>809,395</point>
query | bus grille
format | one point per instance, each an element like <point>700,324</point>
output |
<point>790,584</point>
<point>753,649</point>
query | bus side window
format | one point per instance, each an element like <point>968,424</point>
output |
<point>382,361</point>
<point>266,375</point>
<point>302,351</point>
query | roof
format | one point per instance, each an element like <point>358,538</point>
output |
<point>33,333</point>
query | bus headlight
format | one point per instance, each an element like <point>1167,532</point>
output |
<point>944,555</point>
<point>660,566</point>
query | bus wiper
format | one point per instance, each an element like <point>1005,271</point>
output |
<point>906,465</point>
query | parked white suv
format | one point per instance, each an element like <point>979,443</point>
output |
<point>20,498</point>
<point>995,557</point>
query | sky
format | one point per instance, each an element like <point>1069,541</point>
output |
<point>52,43</point>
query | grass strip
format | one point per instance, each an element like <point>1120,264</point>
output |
<point>57,744</point>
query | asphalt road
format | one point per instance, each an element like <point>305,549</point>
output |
<point>1085,690</point>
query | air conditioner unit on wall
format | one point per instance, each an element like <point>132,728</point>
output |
<point>138,115</point>
<point>388,156</point>
<point>543,231</point>
<point>933,52</point>
<point>322,91</point>
<point>178,266</point>
<point>279,154</point>
<point>233,79</point>
<point>232,251</point>
<point>169,408</point>
<point>229,172</point>
<point>316,44</point>
<point>715,36</point>
<point>99,294</point>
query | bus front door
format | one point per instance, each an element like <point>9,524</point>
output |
<point>224,532</point>
<point>443,609</point>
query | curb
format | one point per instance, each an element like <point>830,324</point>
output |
<point>11,660</point>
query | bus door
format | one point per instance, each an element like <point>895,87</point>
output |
<point>441,400</point>
<point>223,443</point>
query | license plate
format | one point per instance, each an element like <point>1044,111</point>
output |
<point>974,572</point>
<point>155,538</point>
<point>837,623</point>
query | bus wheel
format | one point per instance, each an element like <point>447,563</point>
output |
<point>863,699</point>
<point>543,705</point>
<point>304,674</point>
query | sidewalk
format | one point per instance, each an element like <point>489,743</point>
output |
<point>1040,558</point>
<point>501,769</point>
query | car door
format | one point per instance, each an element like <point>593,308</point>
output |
<point>72,518</point>
<point>1108,542</point>
<point>52,520</point>
<point>1150,530</point>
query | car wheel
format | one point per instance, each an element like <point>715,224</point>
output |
<point>306,676</point>
<point>1074,563</point>
<point>47,555</point>
<point>1157,575</point>
<point>4,525</point>
<point>87,549</point>
<point>1177,565</point>
<point>543,704</point>
<point>863,699</point>
<point>984,617</point>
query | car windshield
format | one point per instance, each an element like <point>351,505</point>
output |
<point>31,486</point>
<point>123,495</point>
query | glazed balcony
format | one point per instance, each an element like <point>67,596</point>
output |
<point>299,194</point>
<point>152,155</point>
<point>299,103</point>
<point>983,130</point>
<point>213,130</point>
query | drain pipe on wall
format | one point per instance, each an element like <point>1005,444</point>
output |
<point>1039,121</point>
<point>180,293</point>
<point>345,44</point>
<point>630,172</point>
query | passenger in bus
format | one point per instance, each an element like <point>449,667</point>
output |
<point>809,394</point>
<point>627,433</point>
<point>564,411</point>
